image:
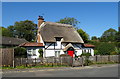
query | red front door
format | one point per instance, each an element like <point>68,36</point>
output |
<point>70,53</point>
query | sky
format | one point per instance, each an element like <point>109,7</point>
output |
<point>94,17</point>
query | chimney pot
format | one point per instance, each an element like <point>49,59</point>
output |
<point>40,20</point>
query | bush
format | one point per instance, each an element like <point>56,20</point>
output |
<point>86,54</point>
<point>113,53</point>
<point>106,48</point>
<point>96,52</point>
<point>20,52</point>
<point>87,62</point>
<point>40,52</point>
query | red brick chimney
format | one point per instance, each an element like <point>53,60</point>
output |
<point>40,20</point>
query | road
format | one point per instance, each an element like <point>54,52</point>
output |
<point>87,71</point>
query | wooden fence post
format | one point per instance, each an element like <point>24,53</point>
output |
<point>20,61</point>
<point>61,61</point>
<point>82,61</point>
<point>35,61</point>
<point>119,58</point>
<point>13,59</point>
<point>109,58</point>
<point>96,58</point>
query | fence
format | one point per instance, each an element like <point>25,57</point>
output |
<point>7,56</point>
<point>43,61</point>
<point>68,61</point>
<point>104,58</point>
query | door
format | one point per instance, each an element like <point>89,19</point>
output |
<point>70,53</point>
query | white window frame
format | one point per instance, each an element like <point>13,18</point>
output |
<point>32,52</point>
<point>57,53</point>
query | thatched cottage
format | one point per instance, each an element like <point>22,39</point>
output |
<point>56,39</point>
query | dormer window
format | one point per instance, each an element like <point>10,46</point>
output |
<point>58,38</point>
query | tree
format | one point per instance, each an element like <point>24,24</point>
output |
<point>5,32</point>
<point>94,38</point>
<point>20,52</point>
<point>109,35</point>
<point>106,48</point>
<point>11,29</point>
<point>69,20</point>
<point>84,35</point>
<point>24,29</point>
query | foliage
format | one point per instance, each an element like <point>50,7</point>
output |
<point>11,29</point>
<point>84,35</point>
<point>87,61</point>
<point>86,54</point>
<point>96,52</point>
<point>117,50</point>
<point>117,38</point>
<point>20,52</point>
<point>95,43</point>
<point>106,48</point>
<point>41,52</point>
<point>69,20</point>
<point>5,32</point>
<point>109,35</point>
<point>28,66</point>
<point>94,38</point>
<point>25,29</point>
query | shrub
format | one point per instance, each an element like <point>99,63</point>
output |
<point>41,52</point>
<point>86,54</point>
<point>87,62</point>
<point>20,52</point>
<point>113,53</point>
<point>96,52</point>
<point>106,48</point>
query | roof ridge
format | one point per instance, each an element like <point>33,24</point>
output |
<point>59,24</point>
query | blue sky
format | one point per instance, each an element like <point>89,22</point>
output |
<point>94,17</point>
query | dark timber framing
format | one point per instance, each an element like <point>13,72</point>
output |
<point>49,45</point>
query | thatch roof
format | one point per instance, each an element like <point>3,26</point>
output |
<point>50,30</point>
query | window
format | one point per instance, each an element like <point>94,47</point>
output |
<point>57,53</point>
<point>58,38</point>
<point>90,50</point>
<point>31,52</point>
<point>84,51</point>
<point>34,52</point>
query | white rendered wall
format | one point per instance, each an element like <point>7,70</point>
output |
<point>49,47</point>
<point>51,53</point>
<point>92,52</point>
<point>58,45</point>
<point>37,53</point>
<point>88,50</point>
<point>78,52</point>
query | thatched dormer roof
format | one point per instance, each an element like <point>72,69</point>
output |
<point>50,30</point>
